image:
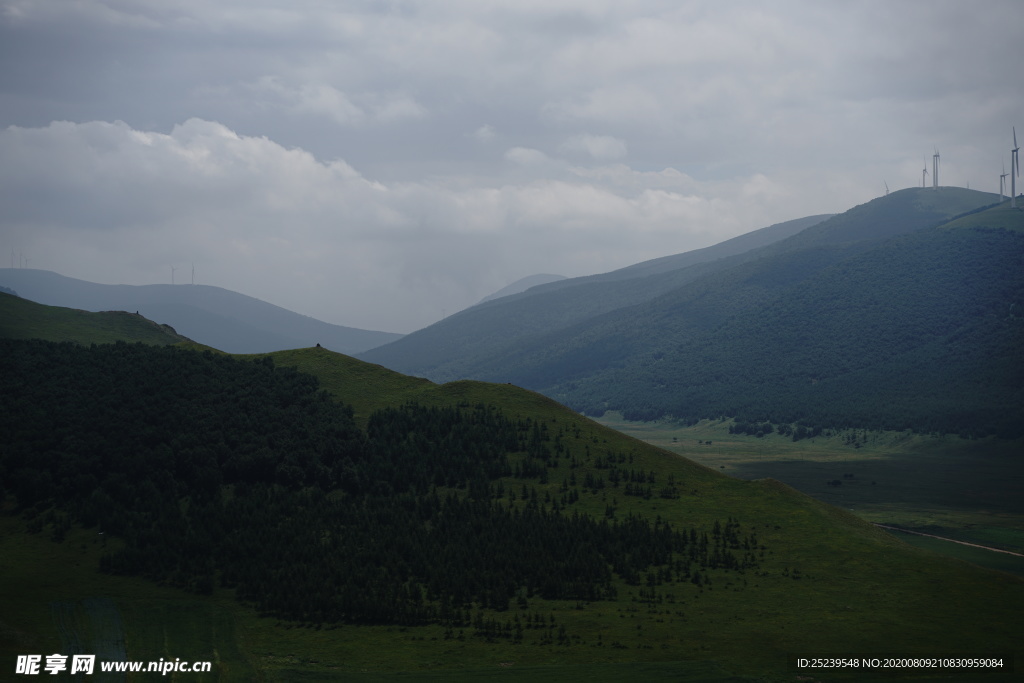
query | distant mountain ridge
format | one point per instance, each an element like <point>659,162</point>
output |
<point>451,348</point>
<point>730,247</point>
<point>846,305</point>
<point>214,316</point>
<point>522,285</point>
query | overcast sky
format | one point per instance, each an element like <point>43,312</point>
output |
<point>380,164</point>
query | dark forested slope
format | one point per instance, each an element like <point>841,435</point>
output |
<point>464,344</point>
<point>921,332</point>
<point>873,318</point>
<point>309,517</point>
<point>480,342</point>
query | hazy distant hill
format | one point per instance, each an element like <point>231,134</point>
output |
<point>870,318</point>
<point>217,317</point>
<point>522,285</point>
<point>452,348</point>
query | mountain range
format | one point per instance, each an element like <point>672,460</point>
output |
<point>901,313</point>
<point>214,316</point>
<point>446,350</point>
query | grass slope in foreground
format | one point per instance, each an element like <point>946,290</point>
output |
<point>828,582</point>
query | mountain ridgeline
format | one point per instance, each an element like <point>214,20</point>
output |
<point>902,313</point>
<point>465,344</point>
<point>24,319</point>
<point>216,317</point>
<point>522,285</point>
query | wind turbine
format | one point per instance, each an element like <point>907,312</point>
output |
<point>193,273</point>
<point>935,169</point>
<point>924,171</point>
<point>172,274</point>
<point>1002,182</point>
<point>1014,163</point>
<point>886,188</point>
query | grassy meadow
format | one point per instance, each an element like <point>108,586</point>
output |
<point>967,490</point>
<point>826,580</point>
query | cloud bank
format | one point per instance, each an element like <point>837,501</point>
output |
<point>380,165</point>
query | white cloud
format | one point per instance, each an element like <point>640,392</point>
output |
<point>484,133</point>
<point>326,101</point>
<point>393,107</point>
<point>319,237</point>
<point>525,156</point>
<point>597,146</point>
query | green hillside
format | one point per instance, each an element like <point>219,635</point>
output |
<point>489,341</point>
<point>230,489</point>
<point>920,332</point>
<point>876,318</point>
<point>1001,217</point>
<point>213,316</point>
<point>886,217</point>
<point>24,319</point>
<point>468,341</point>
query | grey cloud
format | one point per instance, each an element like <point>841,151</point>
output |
<point>373,163</point>
<point>247,206</point>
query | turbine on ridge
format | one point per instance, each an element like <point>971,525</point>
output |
<point>1014,163</point>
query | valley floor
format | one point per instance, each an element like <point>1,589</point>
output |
<point>942,486</point>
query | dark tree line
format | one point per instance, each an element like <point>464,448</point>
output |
<point>218,472</point>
